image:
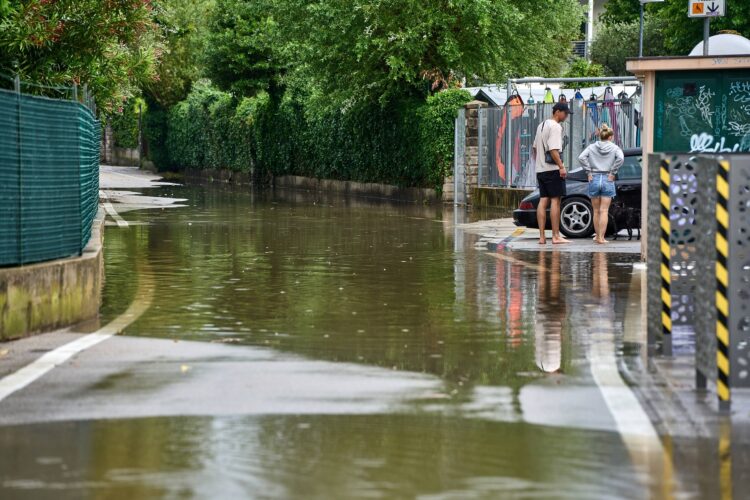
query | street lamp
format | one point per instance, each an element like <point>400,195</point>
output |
<point>640,32</point>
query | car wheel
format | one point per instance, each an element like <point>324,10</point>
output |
<point>576,218</point>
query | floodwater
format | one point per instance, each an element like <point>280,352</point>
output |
<point>488,355</point>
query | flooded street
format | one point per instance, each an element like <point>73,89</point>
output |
<point>291,345</point>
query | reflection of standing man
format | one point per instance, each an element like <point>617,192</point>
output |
<point>551,314</point>
<point>550,171</point>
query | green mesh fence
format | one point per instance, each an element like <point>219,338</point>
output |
<point>49,177</point>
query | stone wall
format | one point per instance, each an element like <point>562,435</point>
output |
<point>470,158</point>
<point>469,183</point>
<point>472,152</point>
<point>50,295</point>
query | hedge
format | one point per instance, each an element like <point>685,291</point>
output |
<point>125,123</point>
<point>407,143</point>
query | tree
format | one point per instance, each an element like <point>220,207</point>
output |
<point>377,49</point>
<point>240,55</point>
<point>184,25</point>
<point>616,42</point>
<point>622,11</point>
<point>683,33</point>
<point>111,45</point>
<point>581,68</point>
<point>680,33</point>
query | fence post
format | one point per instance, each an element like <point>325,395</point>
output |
<point>77,124</point>
<point>508,139</point>
<point>19,228</point>
<point>140,136</point>
<point>480,157</point>
<point>723,288</point>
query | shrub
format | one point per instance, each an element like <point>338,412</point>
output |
<point>407,143</point>
<point>155,135</point>
<point>125,124</point>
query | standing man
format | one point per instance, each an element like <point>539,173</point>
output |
<point>550,171</point>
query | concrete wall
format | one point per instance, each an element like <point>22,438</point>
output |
<point>50,295</point>
<point>216,175</point>
<point>124,157</point>
<point>368,189</point>
<point>493,197</point>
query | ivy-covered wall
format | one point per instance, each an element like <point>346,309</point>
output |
<point>407,143</point>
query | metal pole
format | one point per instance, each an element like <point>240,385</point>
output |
<point>640,35</point>
<point>706,34</point>
<point>611,79</point>
<point>140,136</point>
<point>480,143</point>
<point>508,139</point>
<point>19,226</point>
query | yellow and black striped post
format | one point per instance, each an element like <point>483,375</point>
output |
<point>665,251</point>
<point>722,284</point>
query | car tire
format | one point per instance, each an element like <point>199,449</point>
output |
<point>576,218</point>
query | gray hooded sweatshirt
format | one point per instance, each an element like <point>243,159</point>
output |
<point>602,157</point>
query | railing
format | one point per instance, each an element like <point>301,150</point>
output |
<point>507,136</point>
<point>49,173</point>
<point>580,48</point>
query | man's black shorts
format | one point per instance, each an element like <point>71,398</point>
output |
<point>551,185</point>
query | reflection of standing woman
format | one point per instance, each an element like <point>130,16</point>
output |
<point>601,161</point>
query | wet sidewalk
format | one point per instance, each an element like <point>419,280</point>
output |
<point>502,232</point>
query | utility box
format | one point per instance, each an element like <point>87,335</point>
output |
<point>702,111</point>
<point>697,104</point>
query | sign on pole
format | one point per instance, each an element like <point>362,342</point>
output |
<point>706,8</point>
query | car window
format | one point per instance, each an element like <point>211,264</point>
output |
<point>631,169</point>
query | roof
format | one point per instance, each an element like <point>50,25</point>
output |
<point>496,95</point>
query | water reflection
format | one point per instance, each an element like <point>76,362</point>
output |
<point>506,339</point>
<point>396,456</point>
<point>552,314</point>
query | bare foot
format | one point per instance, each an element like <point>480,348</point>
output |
<point>602,242</point>
<point>559,241</point>
<point>542,241</point>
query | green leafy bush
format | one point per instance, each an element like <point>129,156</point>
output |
<point>407,143</point>
<point>125,124</point>
<point>155,135</point>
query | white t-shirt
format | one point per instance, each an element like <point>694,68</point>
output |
<point>549,133</point>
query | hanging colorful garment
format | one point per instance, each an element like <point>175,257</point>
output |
<point>625,119</point>
<point>593,117</point>
<point>548,97</point>
<point>609,113</point>
<point>516,111</point>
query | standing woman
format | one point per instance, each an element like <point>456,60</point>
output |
<point>601,160</point>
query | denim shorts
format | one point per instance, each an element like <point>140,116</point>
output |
<point>601,186</point>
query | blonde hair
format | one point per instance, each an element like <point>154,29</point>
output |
<point>605,133</point>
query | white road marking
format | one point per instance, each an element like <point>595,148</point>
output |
<point>631,421</point>
<point>33,371</point>
<point>111,210</point>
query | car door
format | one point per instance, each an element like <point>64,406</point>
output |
<point>628,182</point>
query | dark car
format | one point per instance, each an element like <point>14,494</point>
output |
<point>576,213</point>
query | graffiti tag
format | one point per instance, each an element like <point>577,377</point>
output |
<point>706,143</point>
